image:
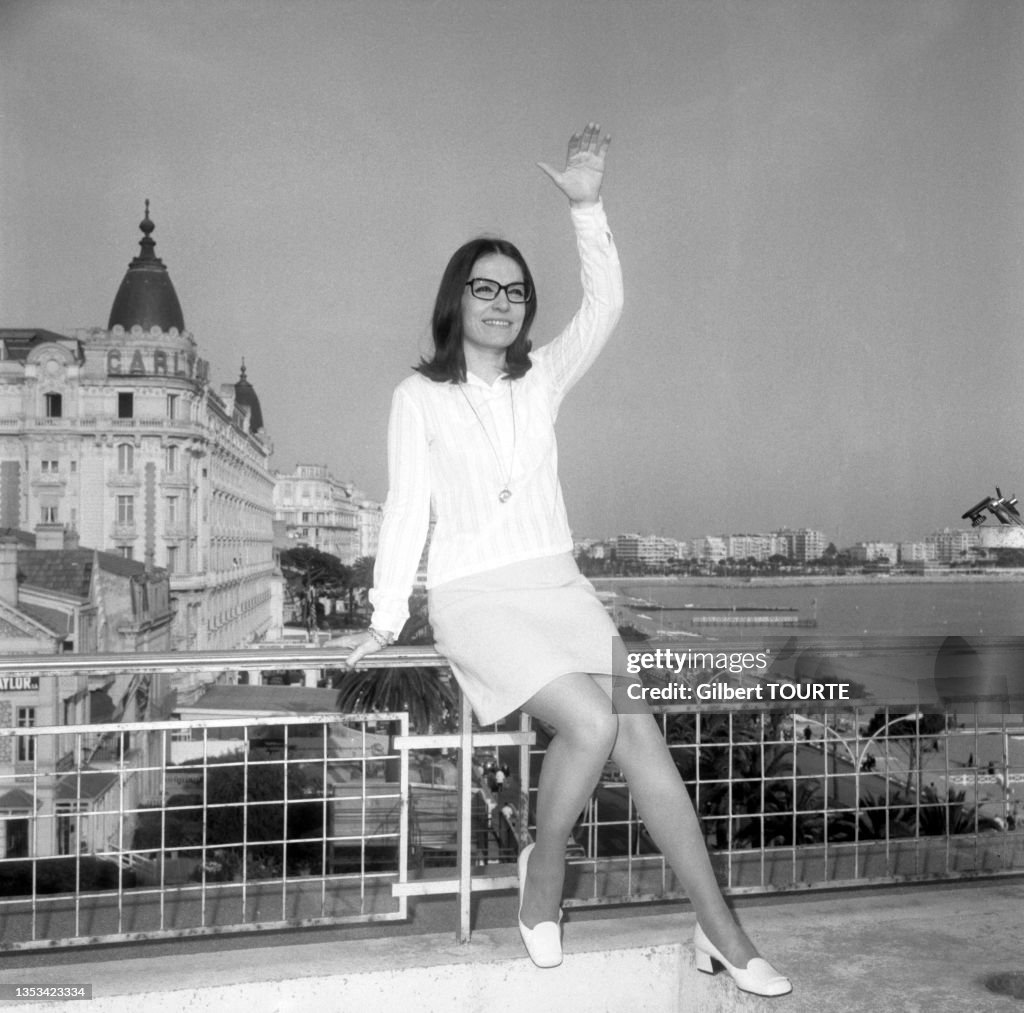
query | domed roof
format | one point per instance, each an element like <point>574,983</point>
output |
<point>146,297</point>
<point>245,394</point>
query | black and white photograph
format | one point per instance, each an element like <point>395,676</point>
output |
<point>511,505</point>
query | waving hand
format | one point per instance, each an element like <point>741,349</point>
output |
<point>581,179</point>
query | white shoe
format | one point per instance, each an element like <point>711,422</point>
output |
<point>758,977</point>
<point>544,941</point>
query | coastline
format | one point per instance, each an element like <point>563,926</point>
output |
<point>1015,576</point>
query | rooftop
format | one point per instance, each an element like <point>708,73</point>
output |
<point>265,700</point>
<point>69,571</point>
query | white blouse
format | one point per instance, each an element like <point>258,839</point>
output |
<point>452,448</point>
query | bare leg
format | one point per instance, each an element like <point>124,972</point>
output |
<point>665,807</point>
<point>585,729</point>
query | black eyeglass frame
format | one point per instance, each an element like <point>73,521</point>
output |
<point>528,291</point>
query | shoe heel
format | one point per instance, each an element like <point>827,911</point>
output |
<point>704,962</point>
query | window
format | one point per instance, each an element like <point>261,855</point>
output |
<point>125,509</point>
<point>71,819</point>
<point>17,837</point>
<point>172,406</point>
<point>48,514</point>
<point>54,406</point>
<point>125,404</point>
<point>26,746</point>
<point>171,457</point>
<point>173,510</point>
<point>125,458</point>
<point>49,467</point>
<point>126,551</point>
<point>172,558</point>
<point>74,467</point>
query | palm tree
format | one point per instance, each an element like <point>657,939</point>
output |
<point>877,818</point>
<point>785,817</point>
<point>752,785</point>
<point>427,694</point>
<point>950,816</point>
<point>729,763</point>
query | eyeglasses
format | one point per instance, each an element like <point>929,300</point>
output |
<point>484,288</point>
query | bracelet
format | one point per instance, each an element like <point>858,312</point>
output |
<point>383,639</point>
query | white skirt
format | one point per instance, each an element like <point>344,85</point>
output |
<point>509,632</point>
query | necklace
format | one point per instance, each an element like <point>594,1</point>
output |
<point>506,493</point>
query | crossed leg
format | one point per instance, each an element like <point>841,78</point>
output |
<point>587,731</point>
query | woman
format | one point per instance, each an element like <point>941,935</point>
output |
<point>471,441</point>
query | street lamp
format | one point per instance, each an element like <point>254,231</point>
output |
<point>914,716</point>
<point>858,757</point>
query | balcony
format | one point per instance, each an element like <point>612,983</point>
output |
<point>364,875</point>
<point>123,481</point>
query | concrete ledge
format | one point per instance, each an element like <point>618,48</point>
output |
<point>900,948</point>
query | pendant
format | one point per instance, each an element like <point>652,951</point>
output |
<point>505,495</point>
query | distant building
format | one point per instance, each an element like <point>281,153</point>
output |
<point>591,547</point>
<point>646,550</point>
<point>325,513</point>
<point>78,600</point>
<point>757,547</point>
<point>710,549</point>
<point>115,433</point>
<point>874,552</point>
<point>801,544</point>
<point>953,545</point>
<point>915,552</point>
<point>55,598</point>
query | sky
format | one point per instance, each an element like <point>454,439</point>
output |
<point>818,207</point>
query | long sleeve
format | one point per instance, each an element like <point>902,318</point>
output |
<point>406,514</point>
<point>573,352</point>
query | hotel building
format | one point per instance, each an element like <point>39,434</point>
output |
<point>116,434</point>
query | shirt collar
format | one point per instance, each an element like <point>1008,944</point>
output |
<point>477,381</point>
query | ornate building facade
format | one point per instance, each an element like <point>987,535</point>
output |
<point>116,434</point>
<point>325,513</point>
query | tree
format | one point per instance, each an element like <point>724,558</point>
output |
<point>283,802</point>
<point>311,575</point>
<point>876,818</point>
<point>426,694</point>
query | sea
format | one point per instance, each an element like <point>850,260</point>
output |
<point>882,607</point>
<point>892,635</point>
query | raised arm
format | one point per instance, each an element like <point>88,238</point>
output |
<point>571,354</point>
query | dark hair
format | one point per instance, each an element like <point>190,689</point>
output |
<point>449,361</point>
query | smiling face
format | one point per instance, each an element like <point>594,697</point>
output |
<point>489,327</point>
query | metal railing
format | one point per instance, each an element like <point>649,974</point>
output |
<point>138,829</point>
<point>796,801</point>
